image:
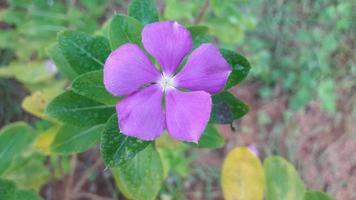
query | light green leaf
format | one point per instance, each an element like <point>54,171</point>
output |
<point>283,181</point>
<point>316,195</point>
<point>116,148</point>
<point>211,138</point>
<point>240,67</point>
<point>142,177</point>
<point>124,29</point>
<point>227,108</point>
<point>199,35</point>
<point>83,52</point>
<point>144,11</point>
<point>78,110</point>
<point>26,195</point>
<point>242,176</point>
<point>91,85</point>
<point>71,139</point>
<point>14,139</point>
<point>61,62</point>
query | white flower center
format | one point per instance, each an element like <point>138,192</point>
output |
<point>166,82</point>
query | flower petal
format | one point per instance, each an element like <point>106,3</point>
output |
<point>127,69</point>
<point>141,114</point>
<point>168,42</point>
<point>206,69</point>
<point>187,114</point>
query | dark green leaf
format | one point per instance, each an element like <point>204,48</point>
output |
<point>116,148</point>
<point>142,177</point>
<point>144,11</point>
<point>240,67</point>
<point>316,195</point>
<point>61,63</point>
<point>83,52</point>
<point>227,108</point>
<point>78,110</point>
<point>14,139</point>
<point>91,85</point>
<point>199,35</point>
<point>72,139</point>
<point>282,180</point>
<point>211,138</point>
<point>26,195</point>
<point>7,189</point>
<point>124,29</point>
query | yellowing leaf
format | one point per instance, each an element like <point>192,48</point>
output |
<point>35,104</point>
<point>44,141</point>
<point>242,176</point>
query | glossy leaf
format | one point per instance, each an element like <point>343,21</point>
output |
<point>141,177</point>
<point>199,35</point>
<point>211,138</point>
<point>91,85</point>
<point>227,108</point>
<point>144,11</point>
<point>71,139</point>
<point>61,62</point>
<point>124,29</point>
<point>242,176</point>
<point>282,180</point>
<point>14,139</point>
<point>316,195</point>
<point>240,67</point>
<point>78,110</point>
<point>83,52</point>
<point>116,148</point>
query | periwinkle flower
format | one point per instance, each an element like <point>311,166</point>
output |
<point>165,98</point>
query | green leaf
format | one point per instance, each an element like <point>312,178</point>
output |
<point>91,85</point>
<point>26,195</point>
<point>78,110</point>
<point>240,67</point>
<point>282,180</point>
<point>144,11</point>
<point>242,176</point>
<point>71,139</point>
<point>227,108</point>
<point>61,62</point>
<point>211,138</point>
<point>316,195</point>
<point>124,29</point>
<point>7,189</point>
<point>83,52</point>
<point>142,177</point>
<point>116,148</point>
<point>14,139</point>
<point>199,35</point>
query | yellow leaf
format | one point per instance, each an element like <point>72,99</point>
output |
<point>35,104</point>
<point>44,141</point>
<point>242,176</point>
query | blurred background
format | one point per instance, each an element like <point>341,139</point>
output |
<point>301,90</point>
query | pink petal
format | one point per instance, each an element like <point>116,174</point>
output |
<point>127,69</point>
<point>168,42</point>
<point>187,114</point>
<point>141,114</point>
<point>206,69</point>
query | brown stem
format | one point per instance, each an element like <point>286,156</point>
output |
<point>91,196</point>
<point>86,174</point>
<point>202,12</point>
<point>71,177</point>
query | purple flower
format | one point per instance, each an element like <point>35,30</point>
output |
<point>165,98</point>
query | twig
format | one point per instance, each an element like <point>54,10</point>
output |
<point>202,12</point>
<point>91,196</point>
<point>85,175</point>
<point>71,177</point>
